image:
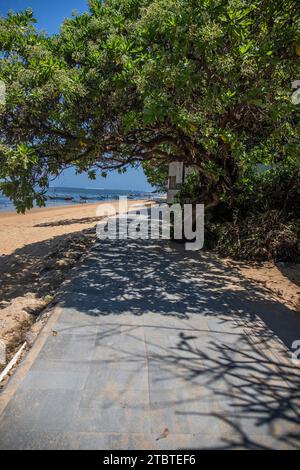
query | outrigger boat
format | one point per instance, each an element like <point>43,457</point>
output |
<point>85,198</point>
<point>60,198</point>
<point>95,198</point>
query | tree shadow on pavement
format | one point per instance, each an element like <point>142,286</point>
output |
<point>242,359</point>
<point>161,277</point>
<point>261,391</point>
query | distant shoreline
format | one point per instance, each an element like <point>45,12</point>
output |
<point>9,211</point>
<point>58,207</point>
<point>74,197</point>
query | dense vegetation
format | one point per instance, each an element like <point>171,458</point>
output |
<point>208,82</point>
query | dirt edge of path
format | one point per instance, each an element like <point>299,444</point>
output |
<point>282,280</point>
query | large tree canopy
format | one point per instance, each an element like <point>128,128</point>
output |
<point>208,82</point>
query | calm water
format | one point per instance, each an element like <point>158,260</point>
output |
<point>78,196</point>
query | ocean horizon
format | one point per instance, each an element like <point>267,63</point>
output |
<point>66,196</point>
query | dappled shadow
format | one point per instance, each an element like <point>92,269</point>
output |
<point>290,271</point>
<point>268,275</point>
<point>57,223</point>
<point>32,268</point>
<point>213,349</point>
<point>224,388</point>
<point>139,277</point>
<point>219,365</point>
<point>259,392</point>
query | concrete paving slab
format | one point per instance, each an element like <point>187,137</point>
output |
<point>150,337</point>
<point>39,411</point>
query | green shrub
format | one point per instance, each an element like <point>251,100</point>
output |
<point>262,236</point>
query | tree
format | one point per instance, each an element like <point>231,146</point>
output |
<point>157,175</point>
<point>207,82</point>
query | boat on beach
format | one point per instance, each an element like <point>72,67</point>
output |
<point>95,198</point>
<point>61,198</point>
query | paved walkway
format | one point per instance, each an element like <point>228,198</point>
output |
<point>157,348</point>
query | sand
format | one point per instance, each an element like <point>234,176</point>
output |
<point>281,279</point>
<point>37,250</point>
<point>18,230</point>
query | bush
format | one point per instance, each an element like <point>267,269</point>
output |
<point>261,237</point>
<point>275,189</point>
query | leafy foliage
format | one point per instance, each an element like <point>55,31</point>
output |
<point>264,223</point>
<point>157,175</point>
<point>263,236</point>
<point>207,82</point>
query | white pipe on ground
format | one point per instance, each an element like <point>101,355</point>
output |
<point>12,363</point>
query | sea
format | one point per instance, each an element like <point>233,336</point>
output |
<point>59,196</point>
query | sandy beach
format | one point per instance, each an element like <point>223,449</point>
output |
<point>37,250</point>
<point>19,230</point>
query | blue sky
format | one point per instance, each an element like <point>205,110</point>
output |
<point>50,14</point>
